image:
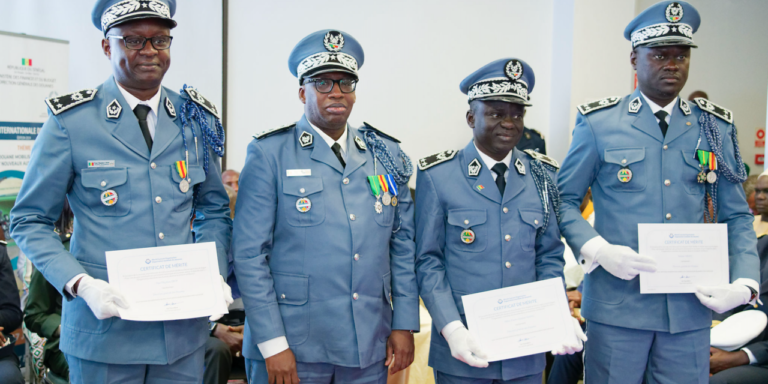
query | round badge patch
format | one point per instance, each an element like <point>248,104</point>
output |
<point>674,12</point>
<point>625,175</point>
<point>468,236</point>
<point>303,204</point>
<point>109,198</point>
<point>333,41</point>
<point>514,69</point>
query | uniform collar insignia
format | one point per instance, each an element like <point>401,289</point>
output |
<point>113,109</point>
<point>635,104</point>
<point>360,143</point>
<point>474,168</point>
<point>520,167</point>
<point>169,107</point>
<point>685,107</point>
<point>305,139</point>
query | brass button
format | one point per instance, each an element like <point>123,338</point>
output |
<point>667,183</point>
<point>103,183</point>
<point>669,216</point>
<point>505,209</point>
<point>153,165</point>
<point>508,264</point>
<point>354,296</point>
<point>466,222</point>
<point>507,237</point>
<point>158,199</point>
<point>357,256</point>
<point>301,190</point>
<point>161,235</point>
<point>345,181</point>
<point>687,123</point>
<point>352,217</point>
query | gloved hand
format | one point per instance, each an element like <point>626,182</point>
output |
<point>623,262</point>
<point>723,298</point>
<point>574,342</point>
<point>465,348</point>
<point>227,291</point>
<point>102,298</point>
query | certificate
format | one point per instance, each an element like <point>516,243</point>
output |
<point>168,283</point>
<point>521,320</point>
<point>686,255</point>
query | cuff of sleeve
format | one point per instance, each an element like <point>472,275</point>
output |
<point>71,283</point>
<point>405,315</point>
<point>49,326</point>
<point>752,284</point>
<point>588,253</point>
<point>272,347</point>
<point>752,359</point>
<point>451,327</point>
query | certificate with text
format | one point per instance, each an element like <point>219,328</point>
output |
<point>686,255</point>
<point>168,283</point>
<point>521,320</point>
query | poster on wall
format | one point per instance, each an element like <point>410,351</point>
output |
<point>32,69</point>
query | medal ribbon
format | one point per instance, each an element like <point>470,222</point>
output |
<point>707,159</point>
<point>382,183</point>
<point>392,184</point>
<point>372,181</point>
<point>181,168</point>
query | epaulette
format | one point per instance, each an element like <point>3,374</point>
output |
<point>598,104</point>
<point>381,133</point>
<point>270,132</point>
<point>543,158</point>
<point>708,106</point>
<point>61,103</point>
<point>195,95</point>
<point>437,158</point>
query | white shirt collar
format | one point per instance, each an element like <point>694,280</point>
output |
<point>655,107</point>
<point>328,140</point>
<point>489,162</point>
<point>153,103</point>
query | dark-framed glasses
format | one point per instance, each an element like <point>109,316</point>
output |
<point>139,42</point>
<point>326,85</point>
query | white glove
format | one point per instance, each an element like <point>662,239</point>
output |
<point>465,348</point>
<point>102,298</point>
<point>723,298</point>
<point>227,291</point>
<point>623,262</point>
<point>574,342</point>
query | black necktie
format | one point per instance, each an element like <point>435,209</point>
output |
<point>662,116</point>
<point>141,112</point>
<point>500,168</point>
<point>336,148</point>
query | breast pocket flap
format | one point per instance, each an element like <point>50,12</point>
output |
<point>302,186</point>
<point>104,179</point>
<point>624,156</point>
<point>467,218</point>
<point>291,289</point>
<point>532,218</point>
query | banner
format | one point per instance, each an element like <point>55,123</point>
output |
<point>32,69</point>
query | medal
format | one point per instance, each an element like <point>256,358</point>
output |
<point>184,186</point>
<point>467,236</point>
<point>181,169</point>
<point>711,177</point>
<point>386,198</point>
<point>378,207</point>
<point>701,177</point>
<point>625,175</point>
<point>373,182</point>
<point>109,198</point>
<point>707,161</point>
<point>394,201</point>
<point>303,205</point>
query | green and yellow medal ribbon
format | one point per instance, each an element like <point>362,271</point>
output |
<point>374,183</point>
<point>707,159</point>
<point>181,168</point>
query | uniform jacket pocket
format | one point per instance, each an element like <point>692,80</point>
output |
<point>533,219</point>
<point>688,175</point>
<point>465,224</point>
<point>183,200</point>
<point>99,185</point>
<point>292,296</point>
<point>617,159</point>
<point>303,205</point>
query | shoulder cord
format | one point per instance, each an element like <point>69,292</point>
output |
<point>381,152</point>
<point>547,191</point>
<point>708,124</point>
<point>213,138</point>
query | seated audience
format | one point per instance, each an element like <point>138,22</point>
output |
<point>10,319</point>
<point>761,205</point>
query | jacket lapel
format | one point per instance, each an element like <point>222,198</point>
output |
<point>515,181</point>
<point>126,126</point>
<point>644,120</point>
<point>482,183</point>
<point>166,131</point>
<point>320,151</point>
<point>680,123</point>
<point>356,158</point>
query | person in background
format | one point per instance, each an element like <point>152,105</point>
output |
<point>10,318</point>
<point>533,140</point>
<point>761,205</point>
<point>231,178</point>
<point>698,94</point>
<point>749,191</point>
<point>42,314</point>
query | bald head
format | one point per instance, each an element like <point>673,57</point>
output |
<point>761,194</point>
<point>231,178</point>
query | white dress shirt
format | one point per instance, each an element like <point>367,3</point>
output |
<point>342,140</point>
<point>655,108</point>
<point>489,162</point>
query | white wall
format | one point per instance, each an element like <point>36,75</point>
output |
<point>196,51</point>
<point>416,54</point>
<point>730,63</point>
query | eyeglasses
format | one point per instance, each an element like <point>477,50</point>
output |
<point>326,85</point>
<point>139,42</point>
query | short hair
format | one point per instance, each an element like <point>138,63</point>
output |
<point>696,94</point>
<point>749,184</point>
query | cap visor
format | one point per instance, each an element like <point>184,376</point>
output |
<point>508,99</point>
<point>328,69</point>
<point>171,23</point>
